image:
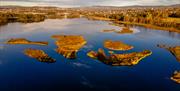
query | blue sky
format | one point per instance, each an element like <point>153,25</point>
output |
<point>77,3</point>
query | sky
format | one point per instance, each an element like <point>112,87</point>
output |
<point>78,3</point>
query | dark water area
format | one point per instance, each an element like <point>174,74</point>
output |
<point>19,72</point>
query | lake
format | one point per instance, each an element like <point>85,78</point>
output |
<point>19,72</point>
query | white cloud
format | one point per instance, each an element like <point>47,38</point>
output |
<point>24,3</point>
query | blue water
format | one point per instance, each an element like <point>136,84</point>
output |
<point>18,72</point>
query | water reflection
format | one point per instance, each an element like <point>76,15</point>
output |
<point>1,47</point>
<point>78,64</point>
<point>86,82</point>
<point>158,32</point>
<point>19,71</point>
<point>14,29</point>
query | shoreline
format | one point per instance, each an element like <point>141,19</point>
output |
<point>150,26</point>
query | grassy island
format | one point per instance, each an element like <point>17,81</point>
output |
<point>68,45</point>
<point>116,45</point>
<point>176,77</point>
<point>128,59</point>
<point>40,55</point>
<point>25,41</point>
<point>174,50</point>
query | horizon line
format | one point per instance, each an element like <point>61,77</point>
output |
<point>58,6</point>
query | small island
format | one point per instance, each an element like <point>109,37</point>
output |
<point>108,30</point>
<point>25,41</point>
<point>116,45</point>
<point>40,55</point>
<point>128,59</point>
<point>176,77</point>
<point>174,50</point>
<point>68,45</point>
<point>125,30</point>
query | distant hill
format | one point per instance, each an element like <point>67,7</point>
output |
<point>128,7</point>
<point>136,6</point>
<point>97,7</point>
<point>14,6</point>
<point>176,5</point>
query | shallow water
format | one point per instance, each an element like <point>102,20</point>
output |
<point>18,72</point>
